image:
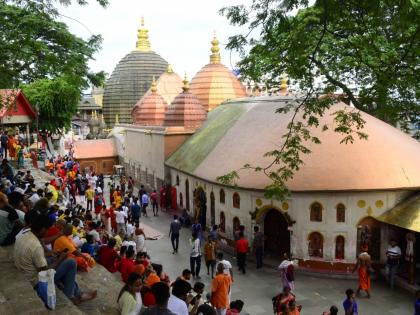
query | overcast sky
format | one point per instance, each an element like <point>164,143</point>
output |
<point>180,31</point>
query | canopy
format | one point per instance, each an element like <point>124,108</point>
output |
<point>405,214</point>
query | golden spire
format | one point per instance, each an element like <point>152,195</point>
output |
<point>186,86</point>
<point>283,85</point>
<point>116,119</point>
<point>169,69</point>
<point>143,43</point>
<point>215,50</point>
<point>154,86</point>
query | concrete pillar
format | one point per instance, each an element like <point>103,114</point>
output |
<point>28,135</point>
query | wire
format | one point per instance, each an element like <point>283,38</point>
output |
<point>87,28</point>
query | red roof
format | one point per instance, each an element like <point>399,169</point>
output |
<point>14,103</point>
<point>91,149</point>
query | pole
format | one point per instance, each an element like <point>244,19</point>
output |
<point>37,131</point>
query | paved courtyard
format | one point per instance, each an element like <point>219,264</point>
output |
<point>257,287</point>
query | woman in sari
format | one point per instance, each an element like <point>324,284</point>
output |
<point>11,145</point>
<point>287,273</point>
<point>363,265</point>
<point>34,159</point>
<point>66,244</point>
<point>19,154</point>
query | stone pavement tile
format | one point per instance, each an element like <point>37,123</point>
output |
<point>256,309</point>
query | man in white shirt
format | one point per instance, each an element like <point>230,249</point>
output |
<point>144,203</point>
<point>177,301</point>
<point>36,196</point>
<point>120,217</point>
<point>195,256</point>
<point>393,255</point>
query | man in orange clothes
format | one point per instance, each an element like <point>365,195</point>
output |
<point>363,264</point>
<point>220,291</point>
<point>65,243</point>
<point>241,251</point>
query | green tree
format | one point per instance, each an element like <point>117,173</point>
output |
<point>38,52</point>
<point>363,52</point>
<point>52,96</point>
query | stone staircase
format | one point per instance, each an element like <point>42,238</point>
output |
<point>18,297</point>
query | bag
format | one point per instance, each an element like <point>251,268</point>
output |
<point>46,288</point>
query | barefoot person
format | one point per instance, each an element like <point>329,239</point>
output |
<point>363,264</point>
<point>30,259</point>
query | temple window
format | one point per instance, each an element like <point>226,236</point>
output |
<point>222,196</point>
<point>177,180</point>
<point>236,200</point>
<point>339,247</point>
<point>222,222</point>
<point>181,200</point>
<point>316,245</point>
<point>341,213</point>
<point>316,212</point>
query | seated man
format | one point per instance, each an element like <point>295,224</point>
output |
<point>30,259</point>
<point>66,243</point>
<point>108,256</point>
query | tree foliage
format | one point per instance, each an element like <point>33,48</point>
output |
<point>366,53</point>
<point>39,51</point>
<point>51,96</point>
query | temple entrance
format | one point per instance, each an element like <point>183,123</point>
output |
<point>369,233</point>
<point>200,206</point>
<point>277,235</point>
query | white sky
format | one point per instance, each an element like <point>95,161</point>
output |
<point>180,31</point>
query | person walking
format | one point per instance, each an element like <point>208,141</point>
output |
<point>120,218</point>
<point>195,256</point>
<point>220,288</point>
<point>258,246</point>
<point>174,229</point>
<point>287,272</point>
<point>210,255</point>
<point>393,255</point>
<point>153,199</point>
<point>241,251</point>
<point>89,197</point>
<point>363,265</point>
<point>144,203</point>
<point>350,303</point>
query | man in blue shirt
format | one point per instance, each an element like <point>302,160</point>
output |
<point>135,210</point>
<point>350,304</point>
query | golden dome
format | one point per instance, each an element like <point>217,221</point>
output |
<point>215,83</point>
<point>150,109</point>
<point>185,111</point>
<point>169,85</point>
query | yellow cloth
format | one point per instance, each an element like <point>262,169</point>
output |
<point>89,194</point>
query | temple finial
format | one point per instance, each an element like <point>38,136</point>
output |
<point>154,86</point>
<point>143,43</point>
<point>215,50</point>
<point>169,69</point>
<point>186,86</point>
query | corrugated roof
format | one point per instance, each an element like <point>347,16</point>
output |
<point>90,149</point>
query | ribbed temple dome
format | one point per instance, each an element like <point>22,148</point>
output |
<point>150,110</point>
<point>185,111</point>
<point>131,79</point>
<point>215,83</point>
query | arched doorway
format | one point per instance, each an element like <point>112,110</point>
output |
<point>212,209</point>
<point>200,206</point>
<point>277,235</point>
<point>369,233</point>
<point>187,194</point>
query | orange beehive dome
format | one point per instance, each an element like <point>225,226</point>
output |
<point>185,111</point>
<point>150,109</point>
<point>215,83</point>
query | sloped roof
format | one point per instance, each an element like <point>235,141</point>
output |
<point>241,131</point>
<point>14,103</point>
<point>91,149</point>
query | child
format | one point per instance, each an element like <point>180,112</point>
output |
<point>90,247</point>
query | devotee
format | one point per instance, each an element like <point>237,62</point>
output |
<point>293,308</point>
<point>65,242</point>
<point>144,203</point>
<point>186,275</point>
<point>241,251</point>
<point>258,246</point>
<point>177,301</point>
<point>9,221</point>
<point>174,229</point>
<point>153,199</point>
<point>129,299</point>
<point>195,256</point>
<point>287,272</point>
<point>30,259</point>
<point>333,311</point>
<point>127,264</point>
<point>90,247</point>
<point>210,255</point>
<point>108,255</point>
<point>393,255</point>
<point>140,239</point>
<point>235,307</point>
<point>4,140</point>
<point>135,210</point>
<point>227,266</point>
<point>206,309</point>
<point>120,218</point>
<point>195,298</point>
<point>220,288</point>
<point>89,198</point>
<point>363,265</point>
<point>350,304</point>
<point>161,292</point>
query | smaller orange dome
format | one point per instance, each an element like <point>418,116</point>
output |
<point>185,111</point>
<point>150,109</point>
<point>169,85</point>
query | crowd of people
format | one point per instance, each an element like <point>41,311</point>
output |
<point>68,225</point>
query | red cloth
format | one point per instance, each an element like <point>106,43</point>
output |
<point>173,198</point>
<point>107,257</point>
<point>242,245</point>
<point>127,266</point>
<point>148,298</point>
<point>153,196</point>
